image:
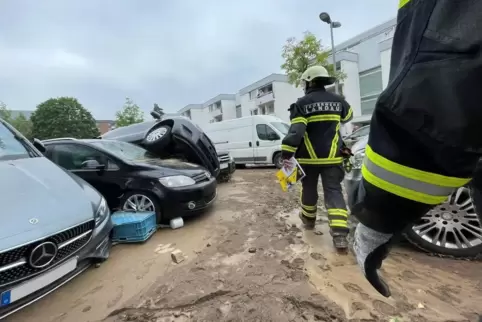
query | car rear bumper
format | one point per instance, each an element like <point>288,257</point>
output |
<point>97,249</point>
<point>227,168</point>
<point>186,201</point>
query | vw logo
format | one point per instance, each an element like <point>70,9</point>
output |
<point>33,221</point>
<point>42,255</point>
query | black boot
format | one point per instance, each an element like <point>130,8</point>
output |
<point>308,222</point>
<point>340,241</point>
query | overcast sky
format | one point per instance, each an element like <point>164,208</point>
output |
<point>173,52</point>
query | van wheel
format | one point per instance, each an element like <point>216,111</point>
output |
<point>158,138</point>
<point>277,161</point>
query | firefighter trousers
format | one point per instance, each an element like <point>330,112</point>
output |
<point>331,177</point>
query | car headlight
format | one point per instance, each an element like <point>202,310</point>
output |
<point>102,212</point>
<point>176,181</point>
<point>357,160</point>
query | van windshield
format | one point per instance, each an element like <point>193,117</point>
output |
<point>282,127</point>
<point>124,150</point>
<point>12,147</point>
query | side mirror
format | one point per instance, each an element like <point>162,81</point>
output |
<point>93,165</point>
<point>39,145</point>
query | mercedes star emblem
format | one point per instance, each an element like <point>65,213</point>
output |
<point>42,255</point>
<point>33,221</point>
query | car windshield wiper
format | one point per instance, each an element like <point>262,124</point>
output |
<point>25,145</point>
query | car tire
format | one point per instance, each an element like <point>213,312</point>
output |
<point>241,166</point>
<point>125,205</point>
<point>158,138</point>
<point>451,219</point>
<point>277,160</point>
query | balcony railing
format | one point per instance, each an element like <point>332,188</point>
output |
<point>265,98</point>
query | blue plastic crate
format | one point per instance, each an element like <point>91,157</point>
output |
<point>131,227</point>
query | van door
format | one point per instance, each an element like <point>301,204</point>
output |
<point>267,142</point>
<point>237,140</point>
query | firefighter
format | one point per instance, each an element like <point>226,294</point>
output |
<point>314,139</point>
<point>425,135</point>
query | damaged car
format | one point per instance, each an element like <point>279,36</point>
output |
<point>54,224</point>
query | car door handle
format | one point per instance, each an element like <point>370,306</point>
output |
<point>257,143</point>
<point>250,145</point>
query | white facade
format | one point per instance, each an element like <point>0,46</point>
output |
<point>364,59</point>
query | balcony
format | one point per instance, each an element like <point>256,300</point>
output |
<point>216,112</point>
<point>263,99</point>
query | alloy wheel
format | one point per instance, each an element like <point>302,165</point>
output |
<point>156,134</point>
<point>453,224</point>
<point>138,203</point>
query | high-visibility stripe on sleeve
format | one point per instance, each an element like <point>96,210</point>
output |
<point>338,212</point>
<point>402,3</point>
<point>309,147</point>
<point>321,118</point>
<point>308,214</point>
<point>334,142</point>
<point>288,148</point>
<point>348,116</point>
<point>308,208</point>
<point>338,223</point>
<point>420,186</point>
<point>299,120</point>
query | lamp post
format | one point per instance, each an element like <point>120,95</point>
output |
<point>325,17</point>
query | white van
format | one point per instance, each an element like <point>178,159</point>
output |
<point>250,140</point>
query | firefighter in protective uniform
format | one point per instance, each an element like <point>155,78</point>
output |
<point>314,139</point>
<point>425,135</point>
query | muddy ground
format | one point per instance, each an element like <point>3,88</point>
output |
<point>248,260</point>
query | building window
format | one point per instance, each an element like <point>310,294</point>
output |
<point>371,86</point>
<point>265,90</point>
<point>331,89</point>
<point>254,112</point>
<point>368,104</point>
<point>239,112</point>
<point>270,109</point>
<point>252,94</point>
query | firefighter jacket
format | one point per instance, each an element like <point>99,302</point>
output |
<point>314,134</point>
<point>425,134</point>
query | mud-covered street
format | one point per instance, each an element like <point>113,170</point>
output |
<point>248,260</point>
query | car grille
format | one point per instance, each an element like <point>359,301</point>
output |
<point>200,177</point>
<point>209,151</point>
<point>223,157</point>
<point>14,265</point>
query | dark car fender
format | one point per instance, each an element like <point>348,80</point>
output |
<point>146,185</point>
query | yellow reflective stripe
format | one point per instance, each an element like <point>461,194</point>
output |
<point>415,174</point>
<point>288,148</point>
<point>298,120</point>
<point>308,208</point>
<point>338,212</point>
<point>338,223</point>
<point>403,3</point>
<point>309,147</point>
<point>401,191</point>
<point>320,161</point>
<point>320,118</point>
<point>334,142</point>
<point>307,214</point>
<point>347,117</point>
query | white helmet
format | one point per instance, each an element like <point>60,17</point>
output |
<point>317,72</point>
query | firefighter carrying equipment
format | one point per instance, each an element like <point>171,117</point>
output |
<point>331,178</point>
<point>425,135</point>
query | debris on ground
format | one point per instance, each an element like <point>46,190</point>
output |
<point>178,256</point>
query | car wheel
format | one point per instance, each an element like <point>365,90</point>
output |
<point>141,201</point>
<point>452,229</point>
<point>158,137</point>
<point>241,166</point>
<point>277,161</point>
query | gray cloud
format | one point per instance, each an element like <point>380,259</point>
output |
<point>170,52</point>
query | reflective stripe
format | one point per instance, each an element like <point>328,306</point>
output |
<point>320,161</point>
<point>307,214</point>
<point>288,148</point>
<point>334,142</point>
<point>338,223</point>
<point>309,147</point>
<point>299,120</point>
<point>338,212</point>
<point>321,118</point>
<point>348,116</point>
<point>309,208</point>
<point>418,175</point>
<point>403,3</point>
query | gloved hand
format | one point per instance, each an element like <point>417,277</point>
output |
<point>371,248</point>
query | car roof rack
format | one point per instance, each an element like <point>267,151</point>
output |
<point>60,139</point>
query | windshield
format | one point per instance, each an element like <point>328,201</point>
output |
<point>282,127</point>
<point>11,146</point>
<point>125,151</point>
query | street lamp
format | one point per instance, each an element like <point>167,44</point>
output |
<point>325,17</point>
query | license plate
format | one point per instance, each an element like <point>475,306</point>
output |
<point>37,283</point>
<point>223,165</point>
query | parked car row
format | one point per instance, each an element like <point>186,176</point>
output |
<point>57,197</point>
<point>452,229</point>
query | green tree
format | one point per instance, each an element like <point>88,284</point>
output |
<point>131,113</point>
<point>298,55</point>
<point>158,109</point>
<point>5,112</point>
<point>23,125</point>
<point>63,117</point>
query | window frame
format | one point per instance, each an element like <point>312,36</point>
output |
<point>111,165</point>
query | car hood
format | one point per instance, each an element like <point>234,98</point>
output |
<point>171,166</point>
<point>359,145</point>
<point>41,200</point>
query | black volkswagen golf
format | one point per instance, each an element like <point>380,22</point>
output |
<point>131,178</point>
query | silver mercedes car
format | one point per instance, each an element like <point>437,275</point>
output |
<point>54,224</point>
